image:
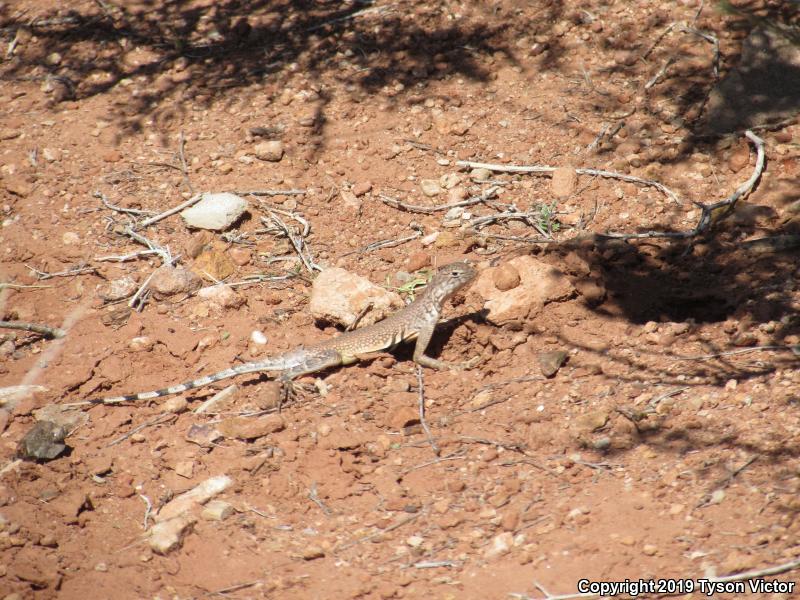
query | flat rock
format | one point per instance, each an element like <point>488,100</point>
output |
<point>117,289</point>
<point>245,428</point>
<point>339,296</point>
<point>539,285</point>
<point>564,182</point>
<point>222,296</point>
<point>430,187</point>
<point>271,151</point>
<point>168,281</point>
<point>168,535</point>
<point>216,211</point>
<point>44,441</point>
<point>200,494</point>
<point>550,362</point>
<point>214,263</point>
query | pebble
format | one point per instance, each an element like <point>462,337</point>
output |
<point>430,187</point>
<point>245,428</point>
<point>449,180</point>
<point>168,281</point>
<point>417,261</point>
<point>175,405</point>
<point>457,194</point>
<point>217,510</point>
<point>649,550</point>
<point>240,256</point>
<point>257,337</point>
<point>361,188</point>
<point>214,263</point>
<point>117,289</point>
<point>339,296</point>
<point>141,344</point>
<point>550,362</point>
<point>184,468</point>
<point>506,277</point>
<point>564,182</point>
<point>739,159</point>
<point>501,544</point>
<point>312,552</point>
<point>454,213</point>
<point>592,421</point>
<point>350,200</point>
<point>480,174</point>
<point>222,296</point>
<point>70,238</point>
<point>271,151</point>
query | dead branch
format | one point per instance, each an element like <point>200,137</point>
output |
<point>50,332</point>
<point>723,207</point>
<point>546,170</point>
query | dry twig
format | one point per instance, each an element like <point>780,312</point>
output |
<point>50,332</point>
<point>546,170</point>
<point>723,207</point>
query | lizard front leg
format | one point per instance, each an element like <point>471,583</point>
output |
<point>423,339</point>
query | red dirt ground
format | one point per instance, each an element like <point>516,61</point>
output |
<point>573,475</point>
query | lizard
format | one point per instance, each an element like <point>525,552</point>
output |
<point>416,321</point>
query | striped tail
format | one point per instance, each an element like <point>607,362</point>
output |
<point>252,367</point>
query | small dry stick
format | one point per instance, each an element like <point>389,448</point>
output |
<point>543,170</point>
<point>148,508</point>
<point>17,286</point>
<point>792,349</point>
<point>131,211</point>
<point>708,210</point>
<point>162,418</point>
<point>125,257</point>
<point>372,536</point>
<point>51,332</point>
<point>41,275</point>
<point>418,233</point>
<point>429,210</point>
<point>422,420</point>
<point>459,455</point>
<point>271,193</point>
<point>167,213</point>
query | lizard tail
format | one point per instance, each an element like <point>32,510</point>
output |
<point>189,385</point>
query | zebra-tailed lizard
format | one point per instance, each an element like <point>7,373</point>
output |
<point>416,321</point>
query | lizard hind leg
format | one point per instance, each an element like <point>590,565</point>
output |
<point>315,360</point>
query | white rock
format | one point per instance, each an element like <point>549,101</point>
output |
<point>118,289</point>
<point>257,337</point>
<point>500,545</point>
<point>339,296</point>
<point>539,284</point>
<point>200,494</point>
<point>215,211</point>
<point>217,510</point>
<point>430,187</point>
<point>70,238</point>
<point>168,535</point>
<point>16,393</point>
<point>141,344</point>
<point>223,296</point>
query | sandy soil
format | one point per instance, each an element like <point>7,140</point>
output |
<point>650,454</point>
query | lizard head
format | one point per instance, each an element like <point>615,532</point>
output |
<point>450,278</point>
